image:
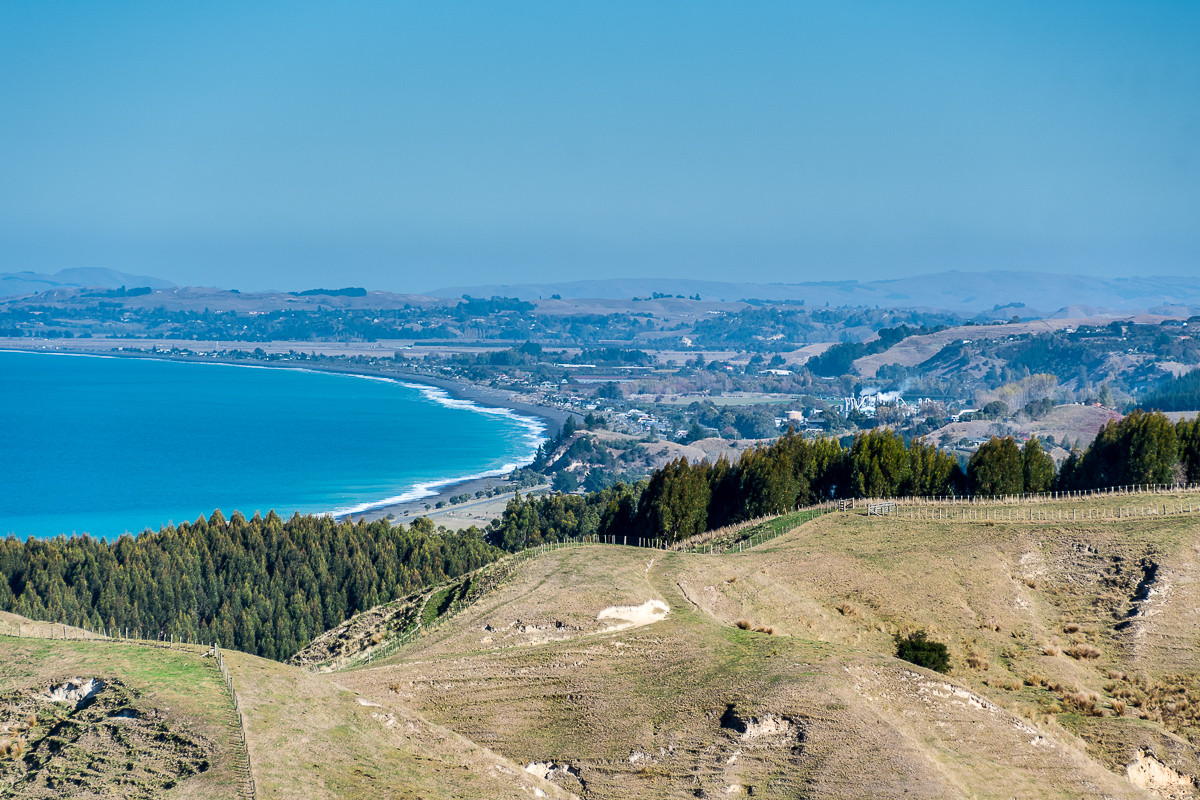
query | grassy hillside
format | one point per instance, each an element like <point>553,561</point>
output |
<point>162,724</point>
<point>307,735</point>
<point>1070,644</point>
<point>613,672</point>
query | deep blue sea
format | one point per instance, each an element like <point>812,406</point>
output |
<point>109,445</point>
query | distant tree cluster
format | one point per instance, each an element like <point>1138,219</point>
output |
<point>1000,467</point>
<point>839,359</point>
<point>260,585</point>
<point>1176,394</point>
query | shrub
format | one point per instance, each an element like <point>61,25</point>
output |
<point>918,649</point>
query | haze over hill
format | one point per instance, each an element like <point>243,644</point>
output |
<point>1025,294</point>
<point>1042,294</point>
<point>15,284</point>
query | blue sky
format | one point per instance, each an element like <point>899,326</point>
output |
<point>414,145</point>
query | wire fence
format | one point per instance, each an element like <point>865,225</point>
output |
<point>735,538</point>
<point>250,788</point>
<point>500,570</point>
<point>742,536</point>
<point>1039,498</point>
<point>1070,514</point>
<point>1067,506</point>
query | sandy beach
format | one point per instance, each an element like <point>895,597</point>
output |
<point>456,517</point>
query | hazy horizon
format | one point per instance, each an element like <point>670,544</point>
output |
<point>414,147</point>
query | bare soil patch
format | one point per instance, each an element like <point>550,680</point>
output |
<point>92,737</point>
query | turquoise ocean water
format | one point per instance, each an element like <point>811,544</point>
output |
<point>108,445</point>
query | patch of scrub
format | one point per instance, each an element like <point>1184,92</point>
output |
<point>634,616</point>
<point>92,737</point>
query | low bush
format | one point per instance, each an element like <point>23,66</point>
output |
<point>917,648</point>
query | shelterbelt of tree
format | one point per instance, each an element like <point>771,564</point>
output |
<point>683,499</point>
<point>268,587</point>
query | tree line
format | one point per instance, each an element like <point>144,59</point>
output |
<point>1142,448</point>
<point>261,585</point>
<point>268,587</point>
<point>1175,394</point>
<point>682,499</point>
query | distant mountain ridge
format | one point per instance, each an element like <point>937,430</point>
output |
<point>1020,293</point>
<point>15,284</point>
<point>1001,294</point>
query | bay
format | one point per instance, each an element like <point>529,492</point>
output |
<point>109,445</point>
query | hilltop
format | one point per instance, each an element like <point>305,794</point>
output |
<point>23,283</point>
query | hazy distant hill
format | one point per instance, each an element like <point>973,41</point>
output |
<point>954,291</point>
<point>14,284</point>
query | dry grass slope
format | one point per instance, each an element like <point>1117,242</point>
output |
<point>158,724</point>
<point>1071,645</point>
<point>613,672</point>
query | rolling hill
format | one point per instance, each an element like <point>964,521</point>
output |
<point>13,284</point>
<point>604,671</point>
<point>1035,294</point>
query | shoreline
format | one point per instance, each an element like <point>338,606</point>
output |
<point>461,393</point>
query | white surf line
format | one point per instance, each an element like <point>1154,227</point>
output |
<point>535,429</point>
